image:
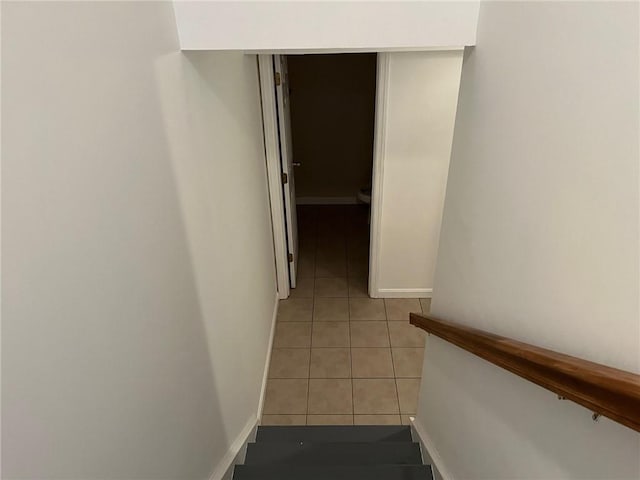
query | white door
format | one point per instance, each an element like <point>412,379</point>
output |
<point>286,157</point>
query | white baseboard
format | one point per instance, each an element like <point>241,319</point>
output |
<point>267,361</point>
<point>327,200</point>
<point>236,453</point>
<point>404,293</point>
<point>429,453</point>
<point>238,449</point>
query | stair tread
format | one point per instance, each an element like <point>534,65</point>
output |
<point>334,453</point>
<point>348,472</point>
<point>335,433</point>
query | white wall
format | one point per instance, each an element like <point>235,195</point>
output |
<point>539,239</point>
<point>296,25</point>
<point>416,146</point>
<point>213,121</point>
<point>136,306</point>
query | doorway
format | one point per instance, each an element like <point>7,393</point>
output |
<point>325,106</point>
<point>332,111</point>
<point>415,104</point>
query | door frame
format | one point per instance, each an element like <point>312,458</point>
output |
<point>377,175</point>
<point>274,170</point>
<point>287,165</point>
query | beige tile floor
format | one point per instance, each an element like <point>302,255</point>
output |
<point>340,357</point>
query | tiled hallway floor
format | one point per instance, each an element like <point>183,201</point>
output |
<point>340,357</point>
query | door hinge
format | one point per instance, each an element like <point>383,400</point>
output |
<point>290,257</point>
<point>277,79</point>
<point>285,179</point>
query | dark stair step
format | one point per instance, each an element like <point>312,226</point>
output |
<point>376,472</point>
<point>307,453</point>
<point>332,433</point>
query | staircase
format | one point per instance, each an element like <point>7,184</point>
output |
<point>333,453</point>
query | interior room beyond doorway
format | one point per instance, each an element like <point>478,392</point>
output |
<point>332,126</point>
<point>332,109</point>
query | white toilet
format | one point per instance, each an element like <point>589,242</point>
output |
<point>364,195</point>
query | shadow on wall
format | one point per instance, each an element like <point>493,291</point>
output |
<point>560,272</point>
<point>106,371</point>
<point>498,413</point>
<point>212,115</point>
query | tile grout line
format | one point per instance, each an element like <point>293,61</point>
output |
<point>348,296</point>
<point>313,310</point>
<point>353,400</point>
<point>393,365</point>
<point>349,276</point>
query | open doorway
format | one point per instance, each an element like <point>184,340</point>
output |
<point>332,112</point>
<point>415,105</point>
<point>319,114</point>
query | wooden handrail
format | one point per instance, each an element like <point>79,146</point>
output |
<point>604,390</point>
